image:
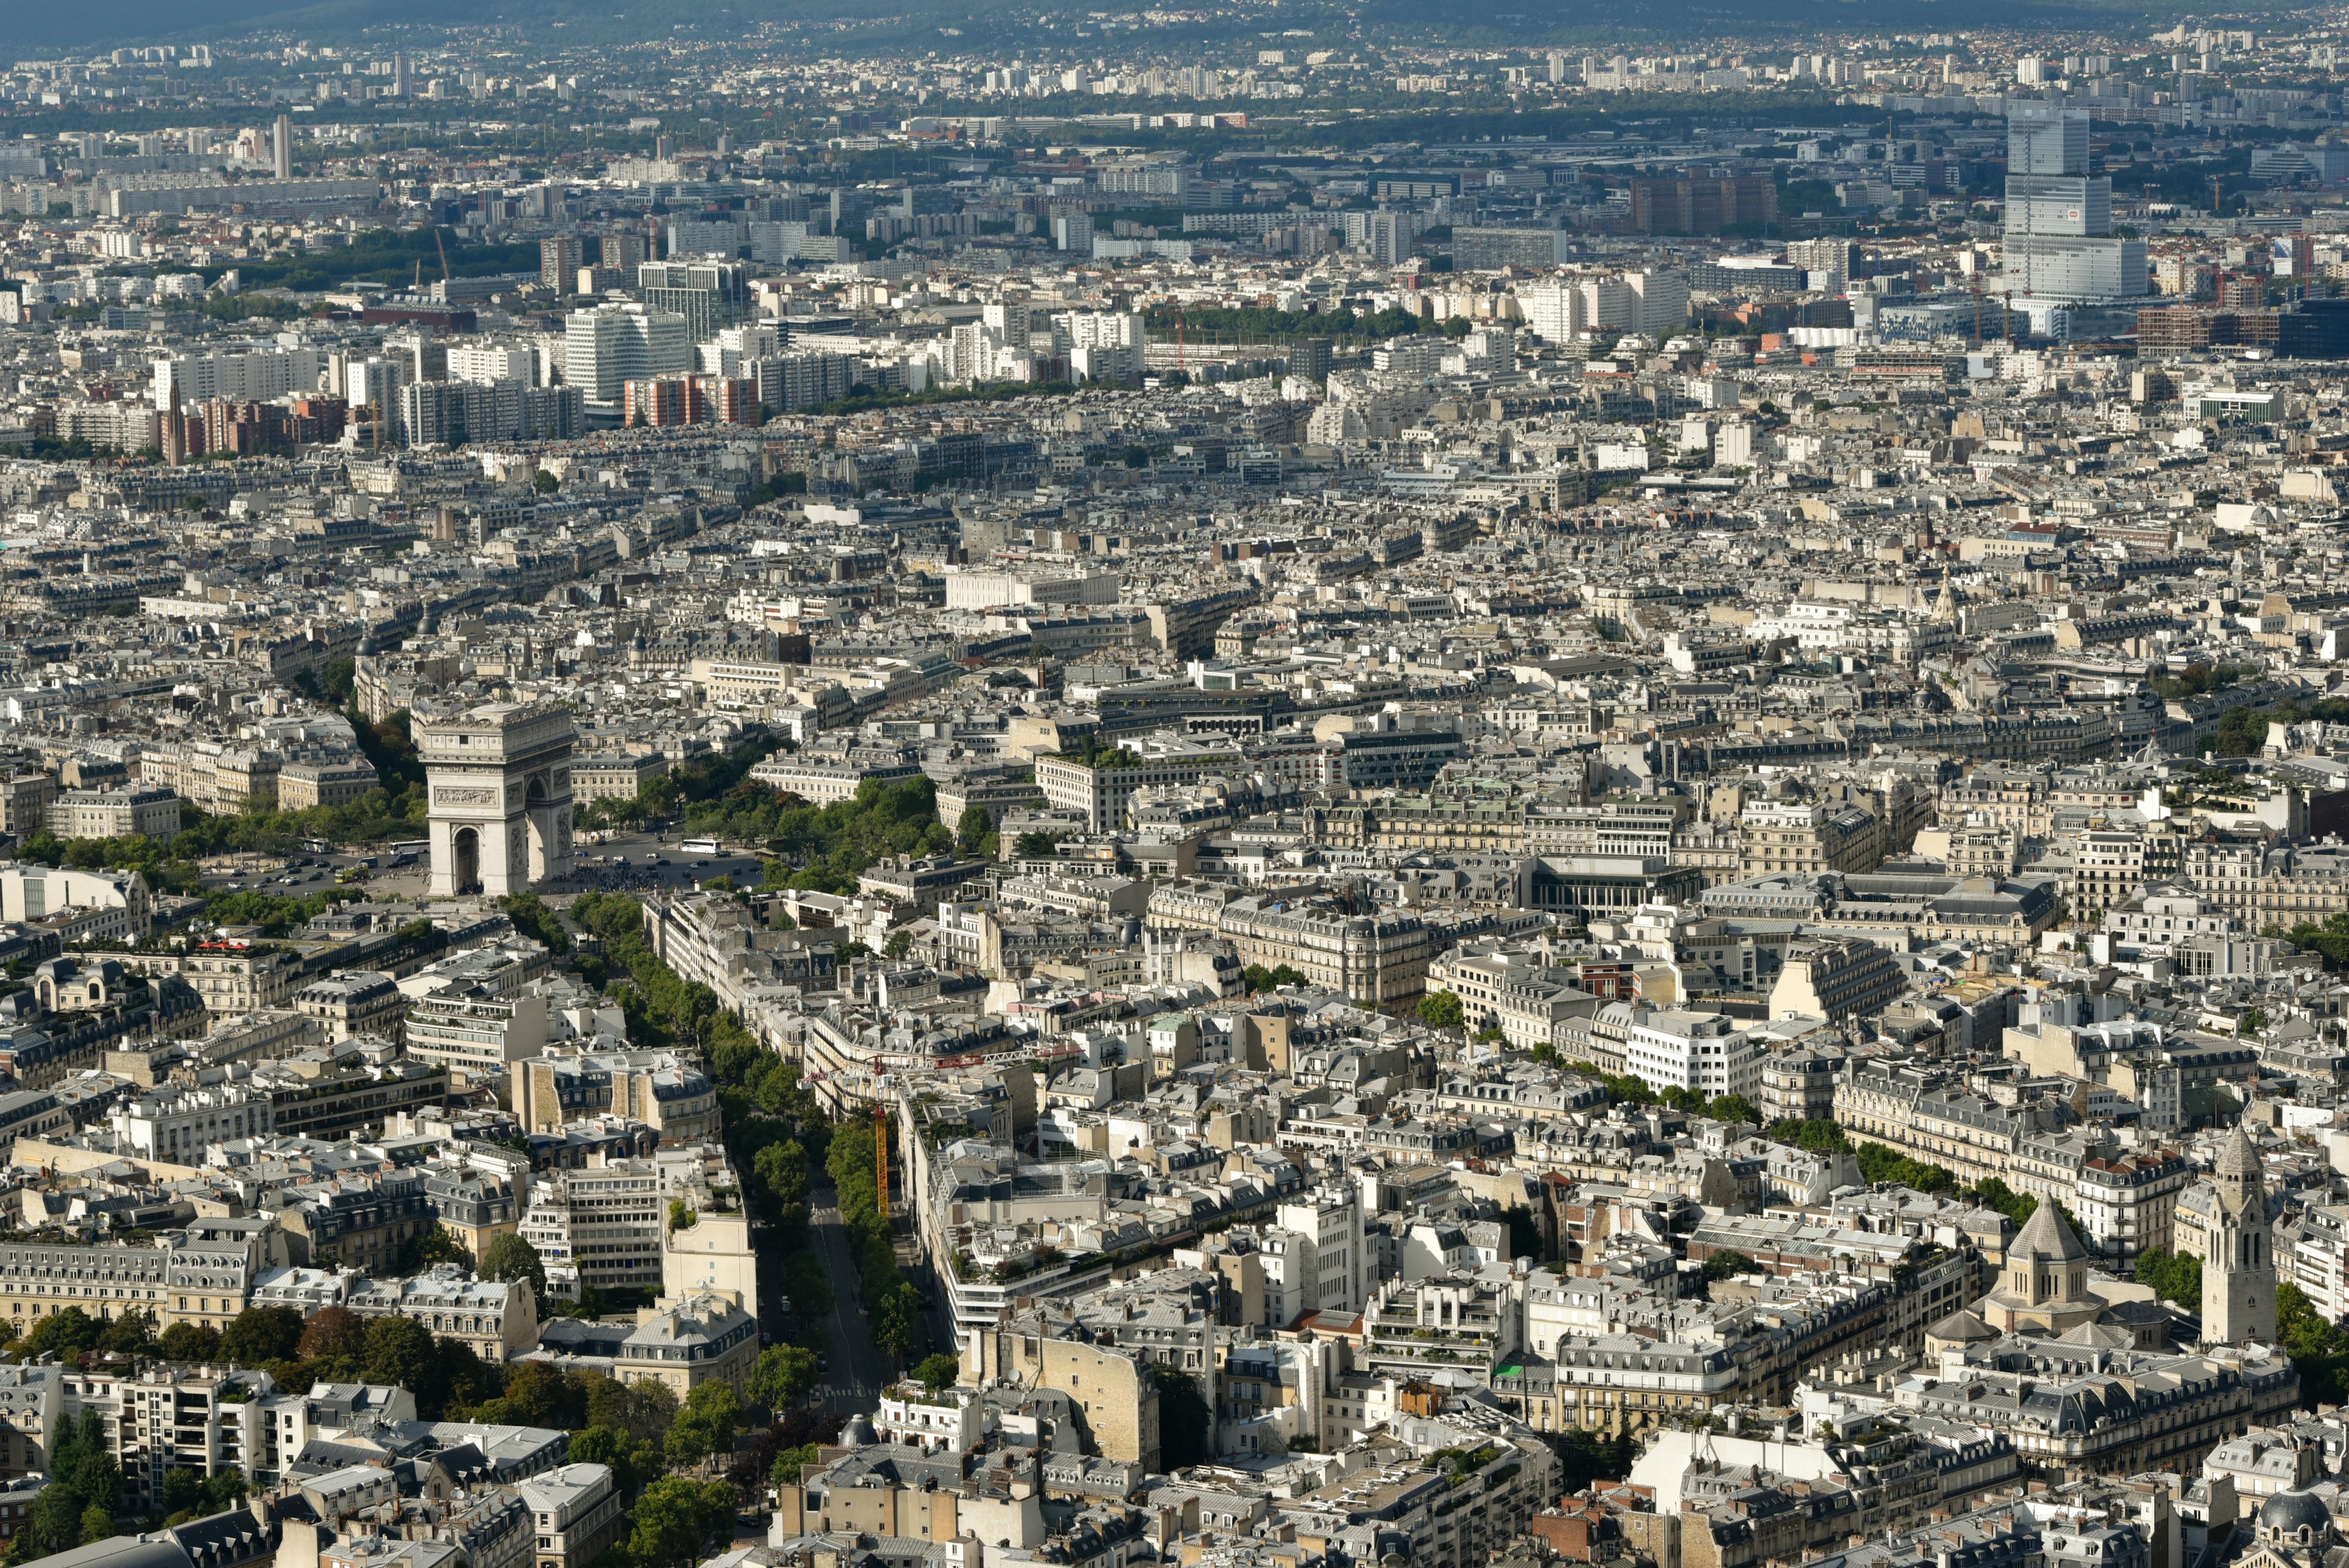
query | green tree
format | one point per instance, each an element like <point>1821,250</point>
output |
<point>972,827</point>
<point>1734,1108</point>
<point>706,1425</point>
<point>132,1333</point>
<point>400,1350</point>
<point>2174,1276</point>
<point>534,919</point>
<point>434,1247</point>
<point>260,1335</point>
<point>785,1375</point>
<point>541,1395</point>
<point>1441,1010</point>
<point>189,1342</point>
<point>1526,1240</point>
<point>1725,1265</point>
<point>643,1410</point>
<point>511,1258</point>
<point>1584,1457</point>
<point>781,1172</point>
<point>334,1332</point>
<point>1820,1136</point>
<point>674,1517</point>
<point>68,1335</point>
<point>2318,1348</point>
<point>57,1518</point>
<point>939,1371</point>
<point>632,1462</point>
<point>791,1464</point>
<point>2250,1022</point>
<point>897,1322</point>
<point>1187,1426</point>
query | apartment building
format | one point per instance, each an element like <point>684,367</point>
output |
<point>31,893</point>
<point>231,981</point>
<point>1114,1399</point>
<point>480,1200</point>
<point>355,1002</point>
<point>1314,1257</point>
<point>163,1418</point>
<point>334,782</point>
<point>1421,1509</point>
<point>702,1339</point>
<point>1102,785</point>
<point>356,1222</point>
<point>1780,835</point>
<point>497,1318</point>
<point>176,1126</point>
<point>25,799</point>
<point>328,1098</point>
<point>575,1512</point>
<point>615,776</point>
<point>475,1036</point>
<point>1836,981</point>
<point>660,1088</point>
<point>1799,1083</point>
<point>1699,1052</point>
<point>147,812</point>
<point>2265,883</point>
<point>1373,957</point>
<point>2128,1203</point>
<point>706,1248</point>
<point>601,1226</point>
<point>203,1275</point>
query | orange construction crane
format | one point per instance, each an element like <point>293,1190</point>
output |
<point>881,1156</point>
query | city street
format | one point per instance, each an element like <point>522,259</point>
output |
<point>858,1368</point>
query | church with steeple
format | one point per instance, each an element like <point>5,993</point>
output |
<point>2239,1275</point>
<point>2042,1292</point>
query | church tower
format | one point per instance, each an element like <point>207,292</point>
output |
<point>2239,1277</point>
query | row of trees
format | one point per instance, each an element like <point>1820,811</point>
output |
<point>333,1345</point>
<point>693,784</point>
<point>771,1124</point>
<point>1879,1163</point>
<point>891,1303</point>
<point>1625,1088</point>
<point>639,1430</point>
<point>824,849</point>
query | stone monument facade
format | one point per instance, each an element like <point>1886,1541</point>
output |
<point>501,797</point>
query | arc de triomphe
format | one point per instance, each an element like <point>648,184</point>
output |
<point>501,797</point>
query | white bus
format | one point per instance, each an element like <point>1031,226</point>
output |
<point>700,846</point>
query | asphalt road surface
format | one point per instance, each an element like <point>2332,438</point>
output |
<point>859,1371</point>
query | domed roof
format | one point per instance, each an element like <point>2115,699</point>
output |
<point>2289,1513</point>
<point>857,1431</point>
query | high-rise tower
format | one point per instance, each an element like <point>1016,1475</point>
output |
<point>2059,239</point>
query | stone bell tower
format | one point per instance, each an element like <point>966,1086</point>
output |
<point>2239,1275</point>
